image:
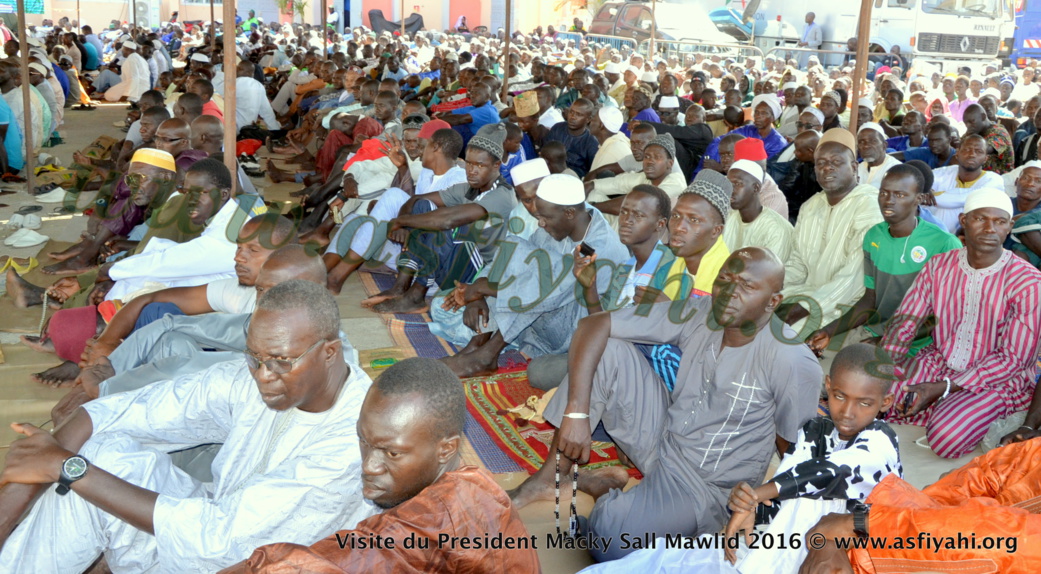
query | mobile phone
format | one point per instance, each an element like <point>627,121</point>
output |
<point>909,400</point>
<point>585,250</point>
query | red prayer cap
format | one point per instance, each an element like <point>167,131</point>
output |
<point>428,129</point>
<point>749,148</point>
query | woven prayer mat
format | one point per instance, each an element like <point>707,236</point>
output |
<point>524,443</point>
<point>412,333</point>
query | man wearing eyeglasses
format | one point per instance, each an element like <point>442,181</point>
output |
<point>289,470</point>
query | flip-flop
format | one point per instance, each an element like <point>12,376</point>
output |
<point>26,210</point>
<point>30,264</point>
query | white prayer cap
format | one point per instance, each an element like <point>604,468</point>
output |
<point>816,113</point>
<point>613,68</point>
<point>528,171</point>
<point>988,197</point>
<point>873,127</point>
<point>1031,163</point>
<point>750,167</point>
<point>771,102</point>
<point>866,102</point>
<point>992,92</point>
<point>200,57</point>
<point>129,44</point>
<point>561,189</point>
<point>669,102</point>
<point>34,42</point>
<point>650,77</point>
<point>38,67</point>
<point>634,70</point>
<point>612,118</point>
<point>789,86</point>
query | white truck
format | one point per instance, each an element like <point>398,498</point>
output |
<point>942,31</point>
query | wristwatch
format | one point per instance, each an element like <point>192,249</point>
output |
<point>73,469</point>
<point>860,513</point>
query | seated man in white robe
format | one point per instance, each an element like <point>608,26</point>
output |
<point>288,471</point>
<point>135,76</point>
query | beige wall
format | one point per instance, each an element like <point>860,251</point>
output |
<point>527,15</point>
<point>98,14</point>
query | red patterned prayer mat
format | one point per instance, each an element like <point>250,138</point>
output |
<point>527,443</point>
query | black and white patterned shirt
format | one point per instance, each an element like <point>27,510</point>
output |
<point>821,465</point>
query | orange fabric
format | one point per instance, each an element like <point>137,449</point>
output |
<point>462,503</point>
<point>993,495</point>
<point>303,90</point>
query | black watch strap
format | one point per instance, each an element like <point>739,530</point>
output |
<point>860,519</point>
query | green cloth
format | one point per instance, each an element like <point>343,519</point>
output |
<point>892,263</point>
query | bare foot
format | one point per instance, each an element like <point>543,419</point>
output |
<point>34,343</point>
<point>382,296</point>
<point>534,489</point>
<point>58,377</point>
<point>277,175</point>
<point>401,305</point>
<point>471,365</point>
<point>597,483</point>
<point>25,294</point>
<point>68,253</point>
<point>92,376</point>
<point>302,157</point>
<point>74,266</point>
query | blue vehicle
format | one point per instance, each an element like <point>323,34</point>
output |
<point>1027,41</point>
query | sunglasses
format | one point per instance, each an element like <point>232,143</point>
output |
<point>168,140</point>
<point>805,126</point>
<point>136,179</point>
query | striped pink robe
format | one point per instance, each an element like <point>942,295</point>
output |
<point>988,323</point>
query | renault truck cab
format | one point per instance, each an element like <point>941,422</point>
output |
<point>934,30</point>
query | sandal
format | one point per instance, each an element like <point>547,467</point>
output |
<point>26,210</point>
<point>84,108</point>
<point>11,178</point>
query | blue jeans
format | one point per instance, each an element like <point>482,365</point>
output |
<point>154,312</point>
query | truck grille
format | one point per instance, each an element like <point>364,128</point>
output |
<point>958,44</point>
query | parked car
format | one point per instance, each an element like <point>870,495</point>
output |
<point>674,22</point>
